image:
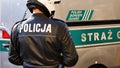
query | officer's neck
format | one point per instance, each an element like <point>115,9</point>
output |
<point>36,11</point>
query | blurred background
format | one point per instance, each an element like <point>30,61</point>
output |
<point>11,11</point>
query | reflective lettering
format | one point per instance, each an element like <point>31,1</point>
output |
<point>30,30</point>
<point>96,36</point>
<point>43,29</point>
<point>110,35</point>
<point>90,36</point>
<point>48,29</point>
<point>21,27</point>
<point>25,27</point>
<point>36,28</point>
<point>83,37</point>
<point>103,37</point>
<point>118,34</point>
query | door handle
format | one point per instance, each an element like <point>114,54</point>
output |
<point>6,45</point>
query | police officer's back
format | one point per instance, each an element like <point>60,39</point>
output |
<point>40,41</point>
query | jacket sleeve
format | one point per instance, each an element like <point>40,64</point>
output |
<point>14,54</point>
<point>69,54</point>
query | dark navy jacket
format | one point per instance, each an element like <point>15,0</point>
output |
<point>41,42</point>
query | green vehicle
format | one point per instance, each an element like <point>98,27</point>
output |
<point>95,29</point>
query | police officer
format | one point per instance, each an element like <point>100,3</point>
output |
<point>41,41</point>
